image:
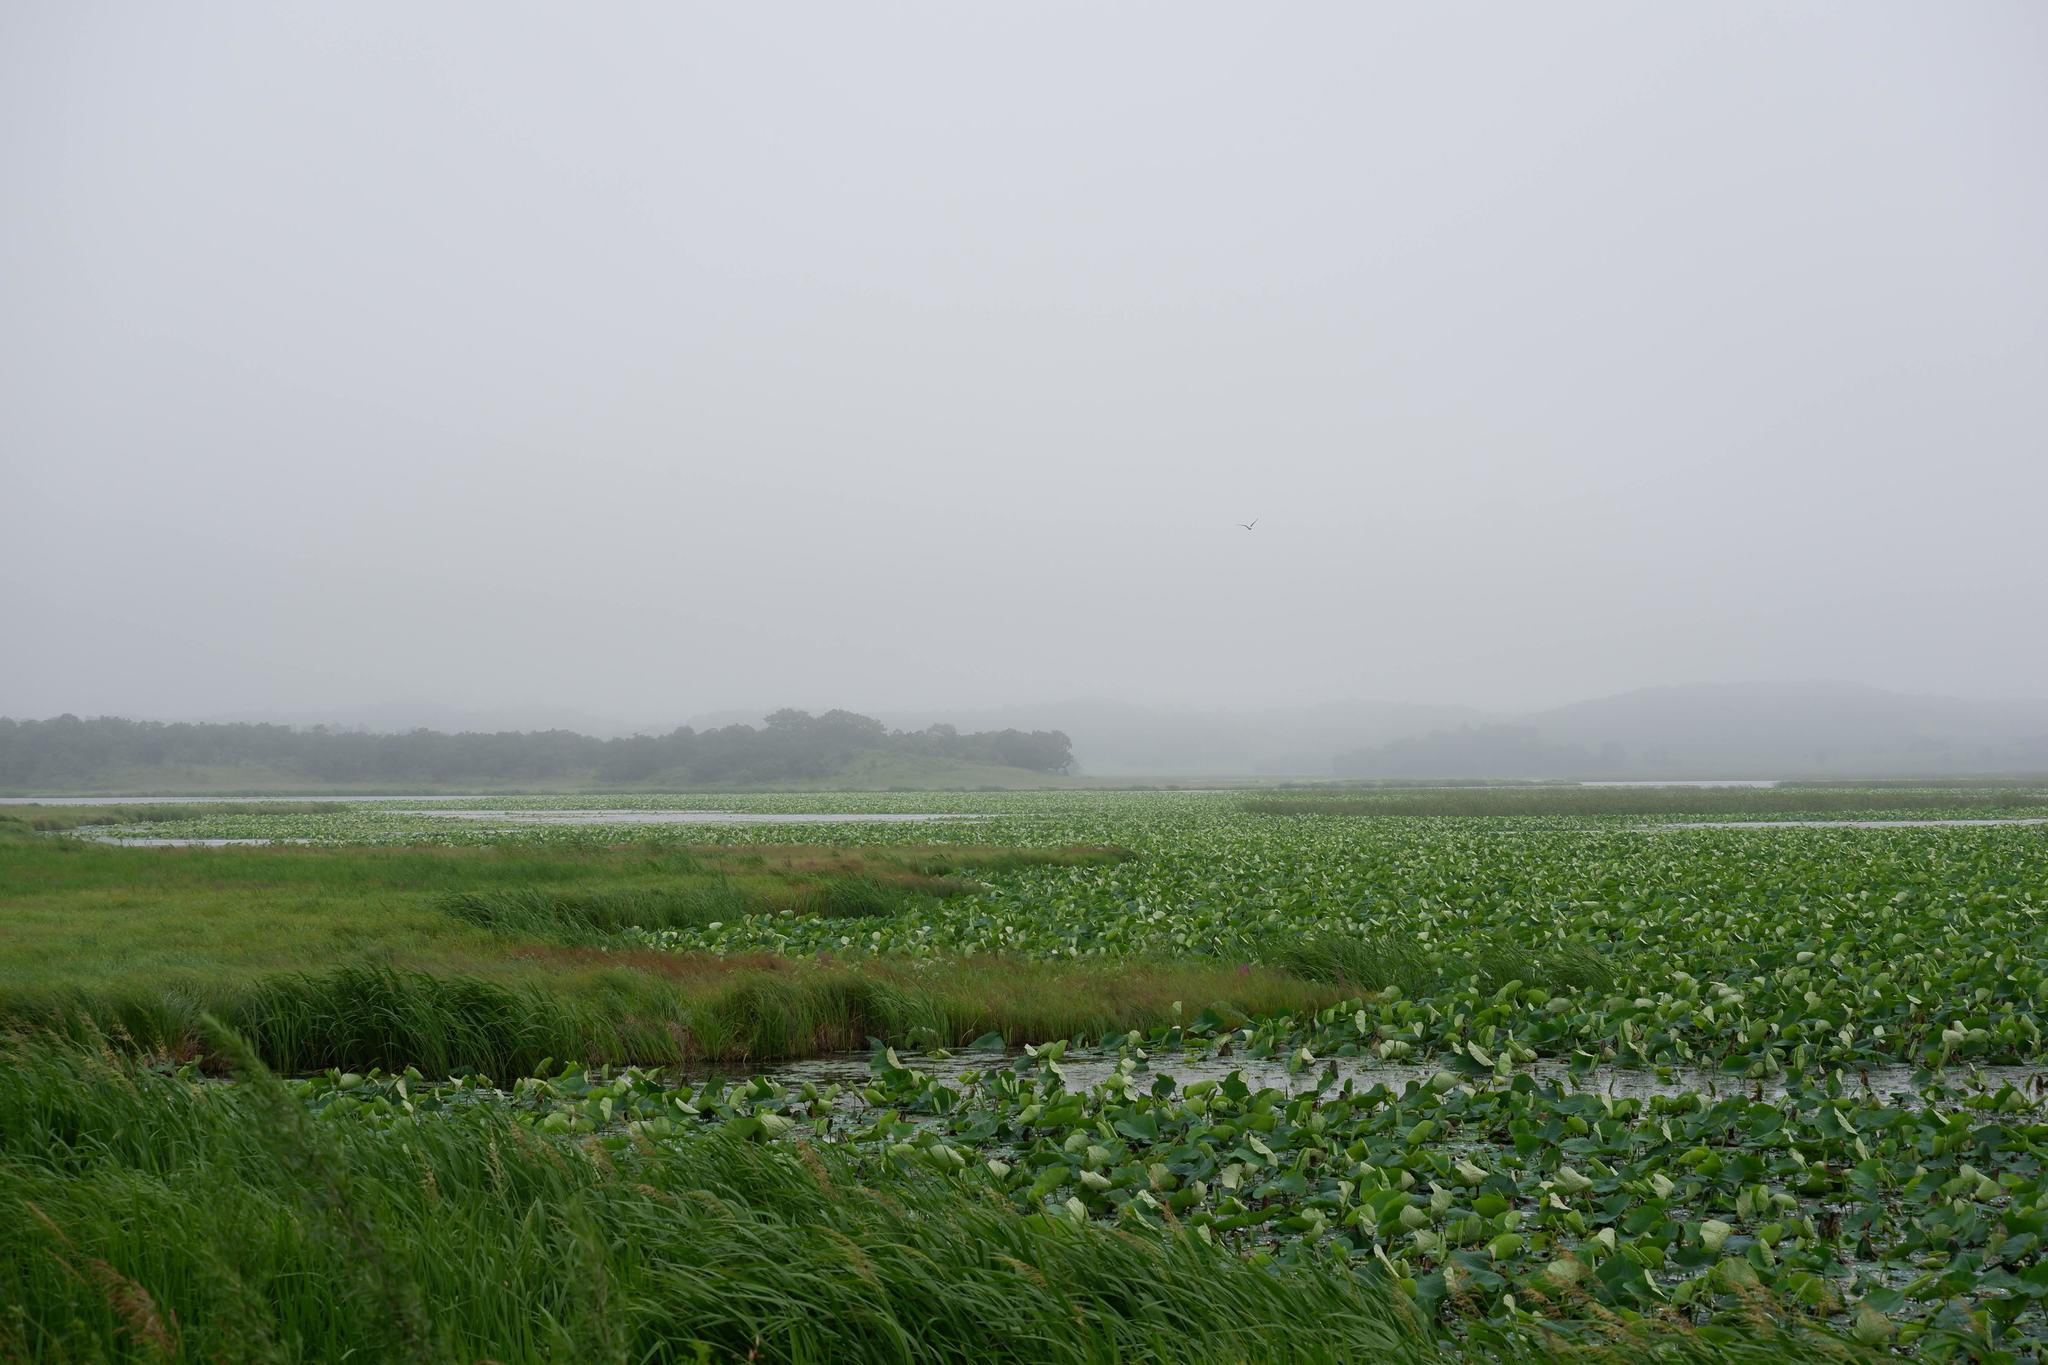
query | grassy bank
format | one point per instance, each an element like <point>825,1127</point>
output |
<point>493,958</point>
<point>87,915</point>
<point>656,1008</point>
<point>867,770</point>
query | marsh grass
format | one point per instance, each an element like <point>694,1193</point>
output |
<point>658,1008</point>
<point>148,1217</point>
<point>468,1237</point>
<point>102,919</point>
<point>595,915</point>
<point>487,959</point>
<point>579,916</point>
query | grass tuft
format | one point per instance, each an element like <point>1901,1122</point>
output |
<point>296,1241</point>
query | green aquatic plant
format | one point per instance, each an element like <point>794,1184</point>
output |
<point>1376,964</point>
<point>1534,1087</point>
<point>1480,1197</point>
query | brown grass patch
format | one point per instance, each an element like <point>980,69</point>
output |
<point>682,967</point>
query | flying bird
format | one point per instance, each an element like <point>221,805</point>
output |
<point>1249,524</point>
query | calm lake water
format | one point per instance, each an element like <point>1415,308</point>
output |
<point>140,841</point>
<point>531,819</point>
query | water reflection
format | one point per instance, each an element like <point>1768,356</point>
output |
<point>1883,1083</point>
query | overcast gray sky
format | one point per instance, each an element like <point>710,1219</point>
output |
<point>640,361</point>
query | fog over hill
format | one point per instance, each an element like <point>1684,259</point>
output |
<point>1116,738</point>
<point>1814,729</point>
<point>1747,730</point>
<point>1758,729</point>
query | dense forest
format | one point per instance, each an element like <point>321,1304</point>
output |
<point>67,752</point>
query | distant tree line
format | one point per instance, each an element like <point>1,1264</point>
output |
<point>68,752</point>
<point>796,744</point>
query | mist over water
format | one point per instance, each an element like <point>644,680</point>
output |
<point>509,366</point>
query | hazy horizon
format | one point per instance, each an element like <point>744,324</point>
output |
<point>1757,730</point>
<point>397,714</point>
<point>914,358</point>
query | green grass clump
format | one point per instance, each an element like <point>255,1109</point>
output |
<point>592,915</point>
<point>655,1009</point>
<point>582,915</point>
<point>375,1017</point>
<point>468,1237</point>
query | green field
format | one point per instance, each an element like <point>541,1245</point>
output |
<point>866,771</point>
<point>1153,1075</point>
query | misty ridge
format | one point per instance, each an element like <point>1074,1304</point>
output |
<point>1725,731</point>
<point>1696,731</point>
<point>1804,730</point>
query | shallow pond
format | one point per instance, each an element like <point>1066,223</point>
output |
<point>143,841</point>
<point>686,817</point>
